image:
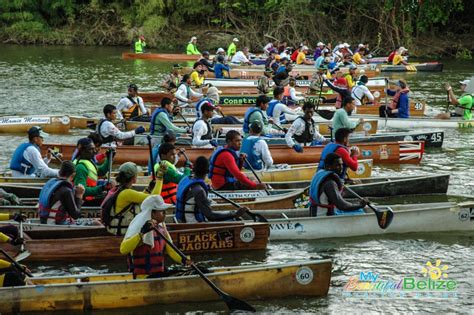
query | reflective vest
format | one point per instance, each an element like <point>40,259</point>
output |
<point>331,148</point>
<point>133,111</point>
<point>208,135</point>
<point>183,207</point>
<point>314,189</point>
<point>308,134</point>
<point>248,147</point>
<point>53,213</point>
<point>107,139</point>
<point>169,189</point>
<point>18,161</point>
<point>91,180</point>
<point>248,114</point>
<point>139,45</point>
<point>117,222</point>
<point>222,171</point>
<point>271,108</point>
<point>147,260</point>
<point>157,126</point>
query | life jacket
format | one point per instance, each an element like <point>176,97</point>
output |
<point>116,223</point>
<point>133,111</point>
<point>308,134</point>
<point>107,139</point>
<point>391,56</point>
<point>271,108</point>
<point>208,135</point>
<point>281,68</point>
<point>314,189</point>
<point>199,104</point>
<point>248,114</point>
<point>263,85</point>
<point>169,189</point>
<point>294,55</point>
<point>156,157</point>
<point>53,213</point>
<point>147,260</point>
<point>18,161</point>
<point>354,95</point>
<point>183,188</point>
<point>213,168</point>
<point>286,91</point>
<point>248,148</point>
<point>92,177</point>
<point>331,148</point>
<point>160,128</point>
<point>287,100</point>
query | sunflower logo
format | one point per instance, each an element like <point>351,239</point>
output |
<point>435,272</point>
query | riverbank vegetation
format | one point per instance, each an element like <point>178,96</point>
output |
<point>427,27</point>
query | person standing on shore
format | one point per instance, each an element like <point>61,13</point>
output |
<point>191,49</point>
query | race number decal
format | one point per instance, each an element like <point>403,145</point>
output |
<point>366,126</point>
<point>376,94</point>
<point>247,234</point>
<point>304,275</point>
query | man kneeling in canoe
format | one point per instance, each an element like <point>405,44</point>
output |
<point>325,191</point>
<point>144,246</point>
<point>193,204</point>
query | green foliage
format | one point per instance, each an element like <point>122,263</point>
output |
<point>463,53</point>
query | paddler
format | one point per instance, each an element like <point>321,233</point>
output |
<point>351,76</point>
<point>290,96</point>
<point>325,191</point>
<point>59,201</point>
<point>9,233</point>
<point>168,137</point>
<point>276,109</point>
<point>140,45</point>
<point>144,246</point>
<point>122,203</point>
<point>282,75</point>
<point>226,164</point>
<point>162,119</point>
<point>304,131</point>
<point>172,176</point>
<point>341,117</point>
<point>242,57</point>
<point>132,105</point>
<point>358,57</point>
<point>256,149</point>
<point>301,58</point>
<point>399,107</point>
<point>341,148</point>
<point>191,49</point>
<point>464,104</point>
<point>27,161</point>
<point>109,133</point>
<point>10,276</point>
<point>172,80</point>
<point>185,94</point>
<point>399,59</point>
<point>197,75</point>
<point>193,204</point>
<point>206,63</point>
<point>87,172</point>
<point>232,49</point>
<point>319,51</point>
<point>202,128</point>
<point>264,82</point>
<point>221,69</point>
<point>316,84</point>
<point>341,87</point>
<point>361,92</point>
<point>219,118</point>
<point>258,114</point>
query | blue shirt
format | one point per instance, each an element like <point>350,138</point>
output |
<point>218,68</point>
<point>403,104</point>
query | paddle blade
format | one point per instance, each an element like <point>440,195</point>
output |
<point>235,304</point>
<point>325,113</point>
<point>22,256</point>
<point>384,218</point>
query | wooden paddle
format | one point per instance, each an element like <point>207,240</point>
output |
<point>255,216</point>
<point>326,114</point>
<point>152,160</point>
<point>384,217</point>
<point>16,264</point>
<point>55,155</point>
<point>111,159</point>
<point>255,174</point>
<point>232,303</point>
<point>181,115</point>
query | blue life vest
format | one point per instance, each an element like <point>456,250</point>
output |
<point>155,156</point>
<point>331,148</point>
<point>271,108</point>
<point>18,161</point>
<point>248,113</point>
<point>183,187</point>
<point>45,209</point>
<point>314,189</point>
<point>160,128</point>
<point>199,104</point>
<point>252,157</point>
<point>281,68</point>
<point>229,178</point>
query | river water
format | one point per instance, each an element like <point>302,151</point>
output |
<point>81,80</point>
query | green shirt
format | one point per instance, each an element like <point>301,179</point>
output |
<point>191,49</point>
<point>466,102</point>
<point>341,120</point>
<point>172,174</point>
<point>231,50</point>
<point>81,178</point>
<point>162,120</point>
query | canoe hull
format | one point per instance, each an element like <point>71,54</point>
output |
<point>171,57</point>
<point>421,67</point>
<point>49,124</point>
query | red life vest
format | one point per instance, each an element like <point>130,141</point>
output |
<point>168,192</point>
<point>146,260</point>
<point>294,55</point>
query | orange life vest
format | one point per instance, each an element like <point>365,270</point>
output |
<point>168,192</point>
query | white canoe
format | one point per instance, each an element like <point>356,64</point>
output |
<point>420,122</point>
<point>373,83</point>
<point>434,217</point>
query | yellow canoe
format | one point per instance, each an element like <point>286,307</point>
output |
<point>112,291</point>
<point>58,124</point>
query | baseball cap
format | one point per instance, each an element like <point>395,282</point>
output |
<point>465,82</point>
<point>346,45</point>
<point>219,50</point>
<point>352,67</point>
<point>213,90</point>
<point>361,45</point>
<point>155,202</point>
<point>37,131</point>
<point>304,48</point>
<point>207,106</point>
<point>129,169</point>
<point>284,59</point>
<point>278,57</point>
<point>235,39</point>
<point>205,53</point>
<point>320,44</point>
<point>193,38</point>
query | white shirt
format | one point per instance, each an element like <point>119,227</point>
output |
<point>125,104</point>
<point>200,129</point>
<point>109,129</point>
<point>267,48</point>
<point>359,91</point>
<point>262,151</point>
<point>33,155</point>
<point>182,95</point>
<point>297,128</point>
<point>239,57</point>
<point>293,95</point>
<point>278,109</point>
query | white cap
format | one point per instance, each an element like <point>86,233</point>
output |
<point>320,44</point>
<point>155,202</point>
<point>235,39</point>
<point>220,50</point>
<point>193,38</point>
<point>361,45</point>
<point>401,49</point>
<point>304,48</point>
<point>213,90</point>
<point>346,45</point>
<point>465,82</point>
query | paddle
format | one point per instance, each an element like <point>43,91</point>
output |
<point>55,155</point>
<point>386,104</point>
<point>111,158</point>
<point>384,217</point>
<point>181,115</point>
<point>16,264</point>
<point>152,160</point>
<point>232,303</point>
<point>326,114</point>
<point>255,174</point>
<point>255,216</point>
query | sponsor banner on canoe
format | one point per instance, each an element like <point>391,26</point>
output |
<point>206,240</point>
<point>25,120</point>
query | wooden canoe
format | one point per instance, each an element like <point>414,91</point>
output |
<point>412,218</point>
<point>168,57</point>
<point>414,67</point>
<point>95,243</point>
<point>109,291</point>
<point>401,152</point>
<point>420,122</point>
<point>49,123</point>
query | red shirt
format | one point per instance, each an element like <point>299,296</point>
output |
<point>294,55</point>
<point>227,161</point>
<point>351,162</point>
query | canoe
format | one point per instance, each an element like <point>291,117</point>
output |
<point>382,153</point>
<point>107,291</point>
<point>170,57</point>
<point>415,67</point>
<point>83,122</point>
<point>419,122</point>
<point>411,218</point>
<point>95,243</point>
<point>57,124</point>
<point>221,83</point>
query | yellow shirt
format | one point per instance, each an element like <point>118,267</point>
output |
<point>397,60</point>
<point>197,79</point>
<point>350,82</point>
<point>300,58</point>
<point>357,58</point>
<point>128,196</point>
